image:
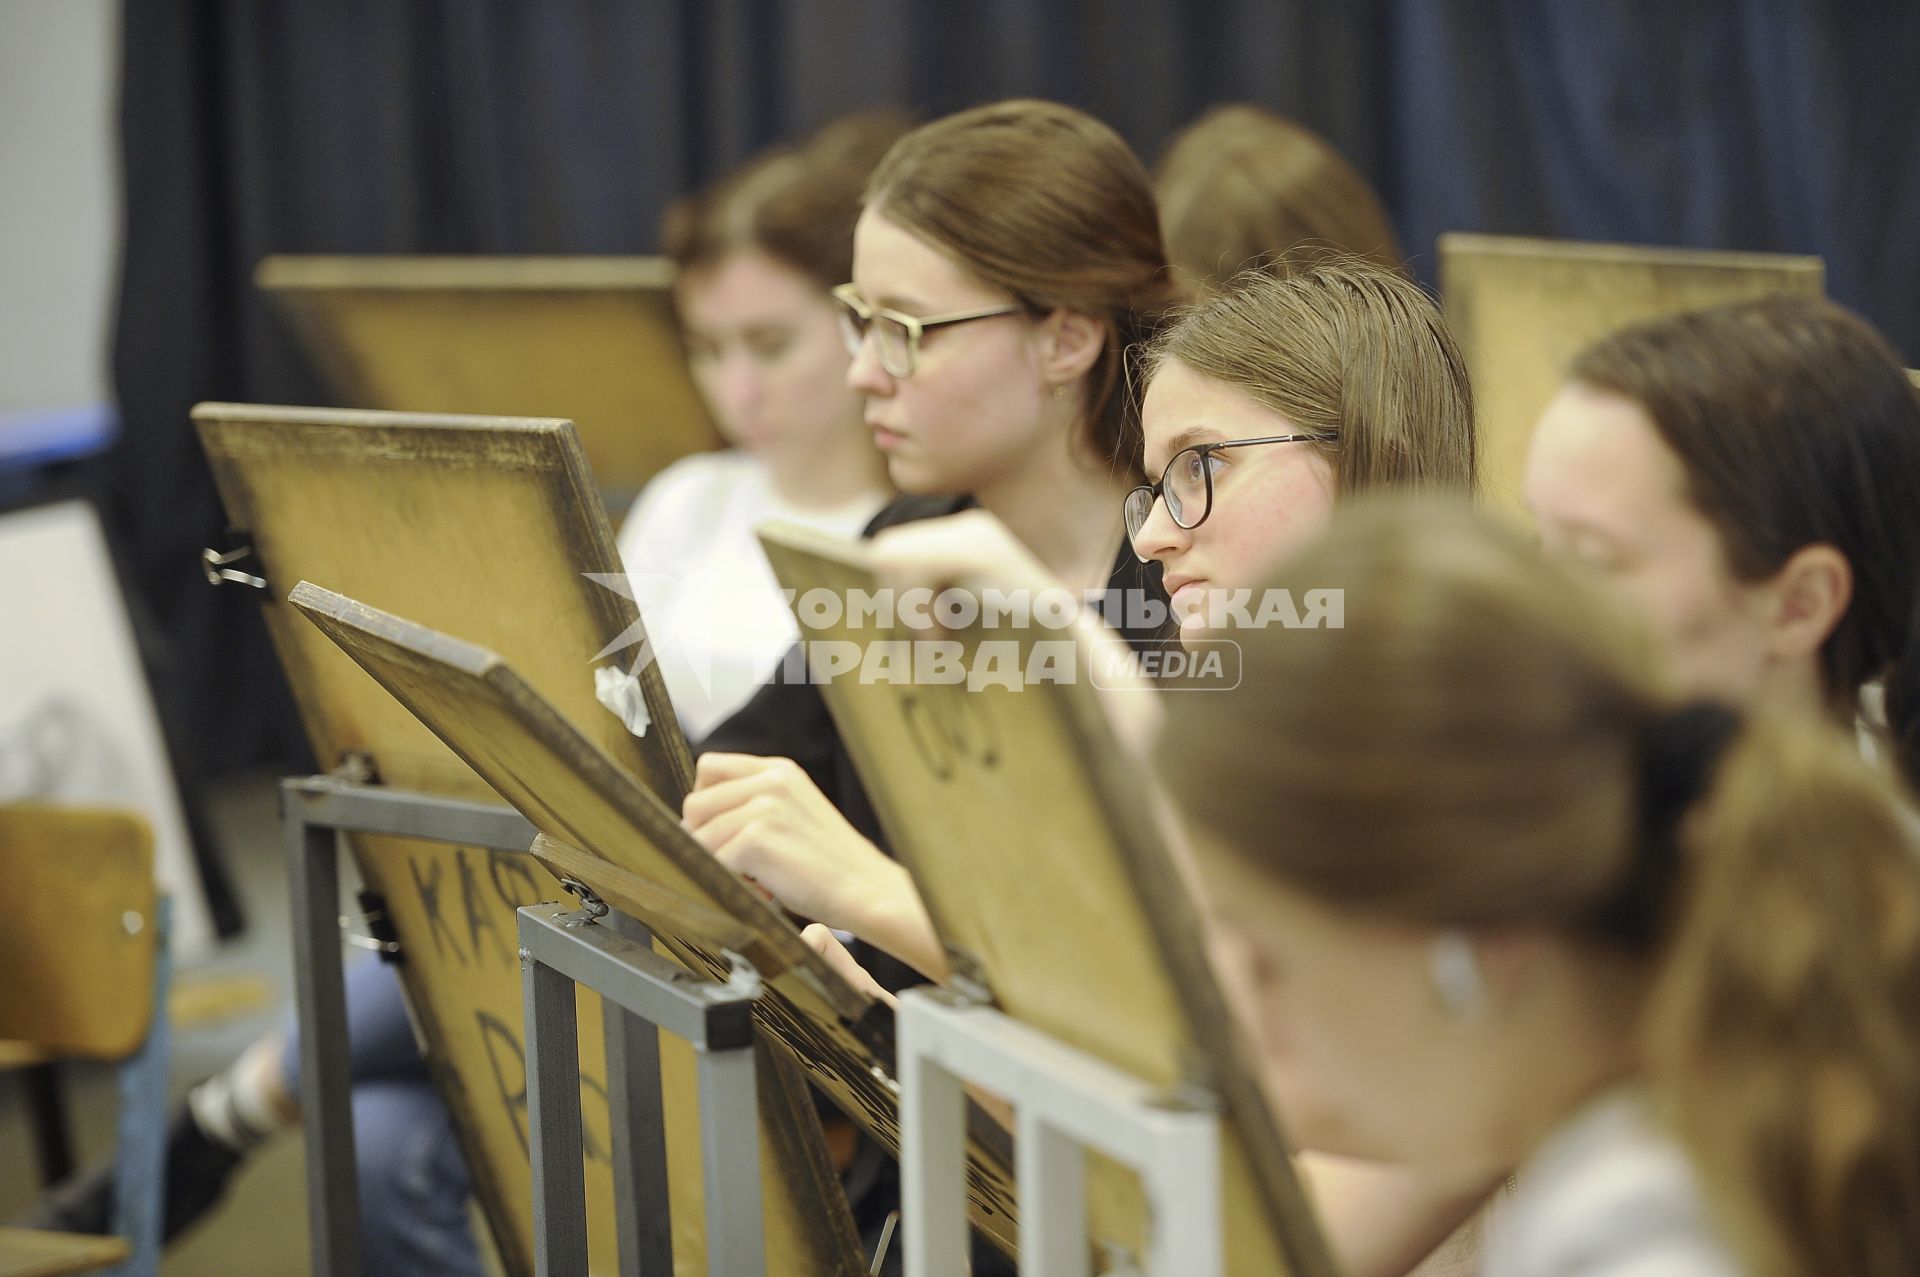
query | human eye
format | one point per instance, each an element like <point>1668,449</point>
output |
<point>1193,465</point>
<point>768,344</point>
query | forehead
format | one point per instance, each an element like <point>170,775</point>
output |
<point>1597,456</point>
<point>892,266</point>
<point>1182,408</point>
<point>742,287</point>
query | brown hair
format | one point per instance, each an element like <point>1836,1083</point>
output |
<point>1242,188</point>
<point>796,204</point>
<point>1796,425</point>
<point>1470,751</point>
<point>1048,204</point>
<point>1342,348</point>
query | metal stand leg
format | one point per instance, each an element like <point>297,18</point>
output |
<point>730,1160</point>
<point>1053,1241</point>
<point>326,1099</point>
<point>1065,1102</point>
<point>559,949</point>
<point>933,1120</point>
<point>315,809</point>
<point>639,1146</point>
<point>553,1123</point>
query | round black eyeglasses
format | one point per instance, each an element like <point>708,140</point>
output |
<point>1186,485</point>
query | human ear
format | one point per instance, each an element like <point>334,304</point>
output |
<point>1072,344</point>
<point>1809,595</point>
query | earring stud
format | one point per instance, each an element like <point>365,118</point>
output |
<point>1454,970</point>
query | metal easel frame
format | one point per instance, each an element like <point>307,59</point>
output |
<point>561,949</point>
<point>1064,1101</point>
<point>615,959</point>
<point>314,810</point>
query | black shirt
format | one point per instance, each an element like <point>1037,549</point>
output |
<point>790,719</point>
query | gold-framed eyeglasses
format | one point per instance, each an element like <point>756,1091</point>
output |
<point>896,335</point>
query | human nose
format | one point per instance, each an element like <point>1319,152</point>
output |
<point>1159,536</point>
<point>866,374</point>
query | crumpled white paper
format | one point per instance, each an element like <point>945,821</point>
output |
<point>619,691</point>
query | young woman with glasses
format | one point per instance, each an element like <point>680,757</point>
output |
<point>1273,400</point>
<point>754,259</point>
<point>1007,258</point>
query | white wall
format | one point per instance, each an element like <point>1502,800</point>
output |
<point>59,200</point>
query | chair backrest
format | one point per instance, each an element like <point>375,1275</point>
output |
<point>77,929</point>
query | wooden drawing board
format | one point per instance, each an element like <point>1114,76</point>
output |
<point>592,339</point>
<point>580,799</point>
<point>487,524</point>
<point>1521,309</point>
<point>1033,843</point>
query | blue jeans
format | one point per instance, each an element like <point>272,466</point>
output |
<point>414,1182</point>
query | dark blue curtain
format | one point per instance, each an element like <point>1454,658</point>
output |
<point>563,126</point>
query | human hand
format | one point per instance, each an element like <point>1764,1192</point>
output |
<point>765,819</point>
<point>822,941</point>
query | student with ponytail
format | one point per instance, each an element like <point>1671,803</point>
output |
<point>1744,477</point>
<point>1496,899</point>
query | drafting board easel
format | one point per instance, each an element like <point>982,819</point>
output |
<point>488,525</point>
<point>1035,847</point>
<point>1521,309</point>
<point>592,339</point>
<point>696,908</point>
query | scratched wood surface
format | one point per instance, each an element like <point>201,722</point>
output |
<point>1031,837</point>
<point>486,525</point>
<point>1523,308</point>
<point>579,799</point>
<point>591,339</point>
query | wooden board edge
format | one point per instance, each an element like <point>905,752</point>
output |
<point>343,620</point>
<point>281,273</point>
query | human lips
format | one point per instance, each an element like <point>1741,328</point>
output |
<point>885,436</point>
<point>1184,591</point>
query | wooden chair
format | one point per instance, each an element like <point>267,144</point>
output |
<point>83,940</point>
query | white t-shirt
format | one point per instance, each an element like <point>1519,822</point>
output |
<point>715,617</point>
<point>1608,1195</point>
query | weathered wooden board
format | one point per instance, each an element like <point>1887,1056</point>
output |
<point>1031,836</point>
<point>568,787</point>
<point>488,525</point>
<point>1523,308</point>
<point>591,339</point>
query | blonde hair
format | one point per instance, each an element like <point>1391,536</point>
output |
<point>1345,349</point>
<point>1242,188</point>
<point>1472,749</point>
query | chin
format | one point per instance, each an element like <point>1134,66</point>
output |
<point>914,478</point>
<point>1195,631</point>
